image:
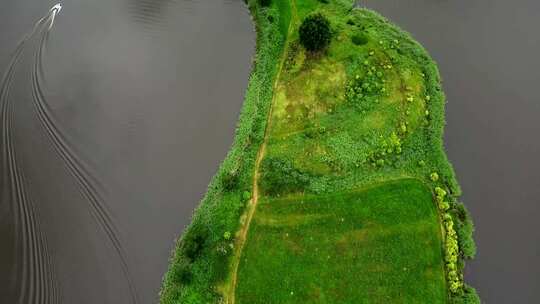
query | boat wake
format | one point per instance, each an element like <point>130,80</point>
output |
<point>34,271</point>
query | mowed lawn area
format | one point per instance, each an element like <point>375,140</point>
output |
<point>378,244</point>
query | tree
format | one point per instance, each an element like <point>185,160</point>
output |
<point>315,32</point>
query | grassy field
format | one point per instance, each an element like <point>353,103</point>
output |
<point>375,245</point>
<point>337,188</point>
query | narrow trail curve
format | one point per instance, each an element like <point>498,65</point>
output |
<point>230,297</point>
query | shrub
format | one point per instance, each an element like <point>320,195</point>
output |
<point>280,176</point>
<point>440,193</point>
<point>466,241</point>
<point>193,242</point>
<point>246,196</point>
<point>182,271</point>
<point>443,205</point>
<point>315,32</point>
<point>264,3</point>
<point>467,296</point>
<point>230,180</point>
<point>359,39</point>
<point>464,229</point>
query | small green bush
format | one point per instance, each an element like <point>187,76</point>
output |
<point>443,206</point>
<point>230,180</point>
<point>440,193</point>
<point>359,39</point>
<point>315,32</point>
<point>467,296</point>
<point>246,196</point>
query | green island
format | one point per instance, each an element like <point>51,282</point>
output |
<point>337,188</point>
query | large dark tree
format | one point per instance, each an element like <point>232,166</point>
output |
<point>315,32</point>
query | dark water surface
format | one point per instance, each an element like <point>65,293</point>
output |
<point>488,54</point>
<point>113,122</point>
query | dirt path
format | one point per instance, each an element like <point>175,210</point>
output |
<point>252,205</point>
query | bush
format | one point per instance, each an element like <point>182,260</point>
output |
<point>359,39</point>
<point>468,296</point>
<point>466,241</point>
<point>246,196</point>
<point>280,176</point>
<point>264,3</point>
<point>193,242</point>
<point>315,32</point>
<point>465,229</point>
<point>182,272</point>
<point>230,180</point>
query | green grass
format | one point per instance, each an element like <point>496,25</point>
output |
<point>375,245</point>
<point>347,208</point>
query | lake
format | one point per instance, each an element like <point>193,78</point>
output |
<point>116,114</point>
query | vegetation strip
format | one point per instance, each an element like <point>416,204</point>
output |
<point>353,161</point>
<point>252,206</point>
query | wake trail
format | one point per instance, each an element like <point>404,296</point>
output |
<point>31,276</point>
<point>37,279</point>
<point>89,186</point>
